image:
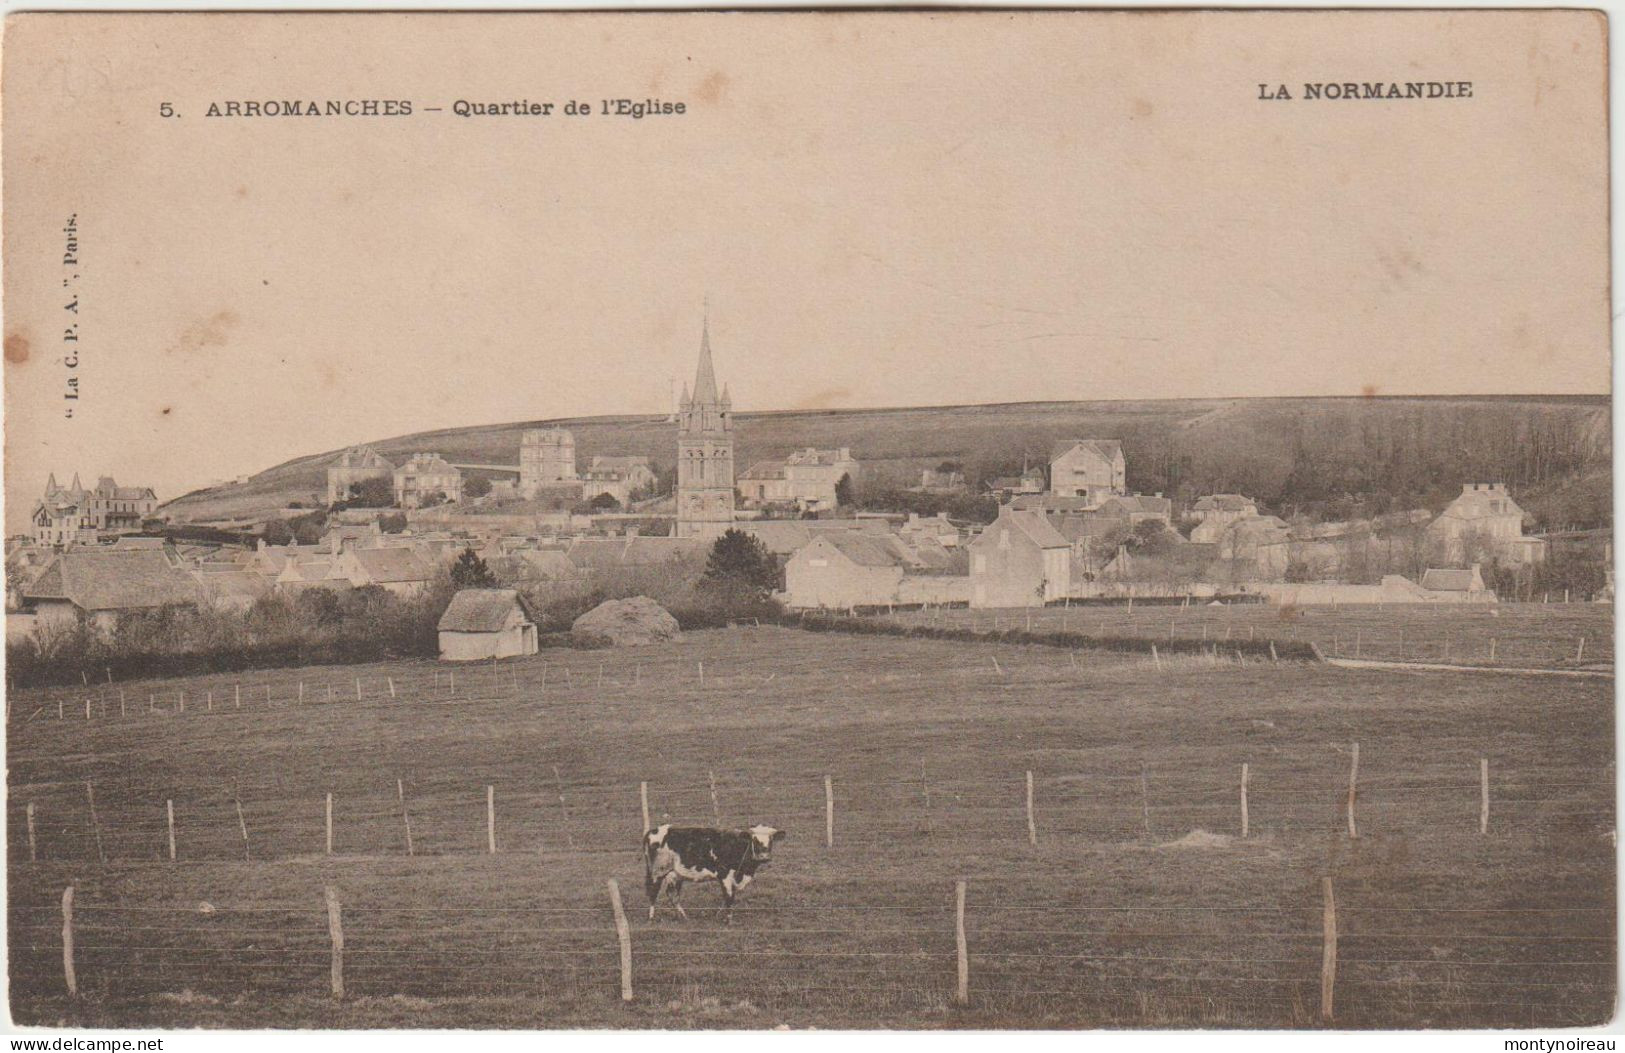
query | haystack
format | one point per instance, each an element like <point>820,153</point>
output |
<point>624,623</point>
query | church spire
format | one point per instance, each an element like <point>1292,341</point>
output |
<point>705,380</point>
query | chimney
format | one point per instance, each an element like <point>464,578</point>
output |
<point>846,453</point>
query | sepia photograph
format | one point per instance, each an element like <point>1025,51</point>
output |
<point>881,520</point>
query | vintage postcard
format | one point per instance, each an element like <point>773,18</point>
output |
<point>751,520</point>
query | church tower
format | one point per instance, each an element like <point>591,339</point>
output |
<point>705,453</point>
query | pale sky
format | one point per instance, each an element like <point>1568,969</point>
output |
<point>884,209</point>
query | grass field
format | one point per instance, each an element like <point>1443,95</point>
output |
<point>1139,904</point>
<point>1524,635</point>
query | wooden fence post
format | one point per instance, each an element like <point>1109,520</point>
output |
<point>33,855</point>
<point>962,989</point>
<point>1354,776</point>
<point>1273,656</point>
<point>1492,648</point>
<point>406,817</point>
<point>169,812</point>
<point>358,689</point>
<point>564,809</point>
<point>237,691</point>
<point>643,799</point>
<point>1328,954</point>
<point>242,826</point>
<point>1483,795</point>
<point>329,823</point>
<point>1145,801</point>
<point>702,672</point>
<point>491,820</point>
<point>925,788</point>
<point>391,686</point>
<point>624,937</point>
<point>1244,800</point>
<point>1156,661</point>
<point>716,809</point>
<point>829,812</point>
<point>1580,652</point>
<point>95,824</point>
<point>1032,826</point>
<point>68,974</point>
<point>335,930</point>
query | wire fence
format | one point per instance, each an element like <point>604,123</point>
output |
<point>1025,957</point>
<point>261,817</point>
<point>1510,635</point>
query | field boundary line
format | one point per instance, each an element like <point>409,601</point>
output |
<point>1369,663</point>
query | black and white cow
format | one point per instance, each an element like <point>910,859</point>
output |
<point>675,854</point>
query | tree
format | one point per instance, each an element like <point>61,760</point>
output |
<point>603,502</point>
<point>392,524</point>
<point>843,491</point>
<point>471,572</point>
<point>740,573</point>
<point>1298,572</point>
<point>319,606</point>
<point>1151,537</point>
<point>477,486</point>
<point>377,492</point>
<point>277,532</point>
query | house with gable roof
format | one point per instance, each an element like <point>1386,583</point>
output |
<point>397,569</point>
<point>1093,469</point>
<point>486,623</point>
<point>1019,560</point>
<point>1214,512</point>
<point>856,568</point>
<point>1451,585</point>
<point>355,465</point>
<point>1484,521</point>
<point>427,477</point>
<point>103,585</point>
<point>806,478</point>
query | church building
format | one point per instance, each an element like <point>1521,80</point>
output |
<point>705,453</point>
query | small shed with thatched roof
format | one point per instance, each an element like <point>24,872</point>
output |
<point>486,623</point>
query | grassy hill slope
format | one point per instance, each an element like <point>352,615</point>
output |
<point>1305,451</point>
